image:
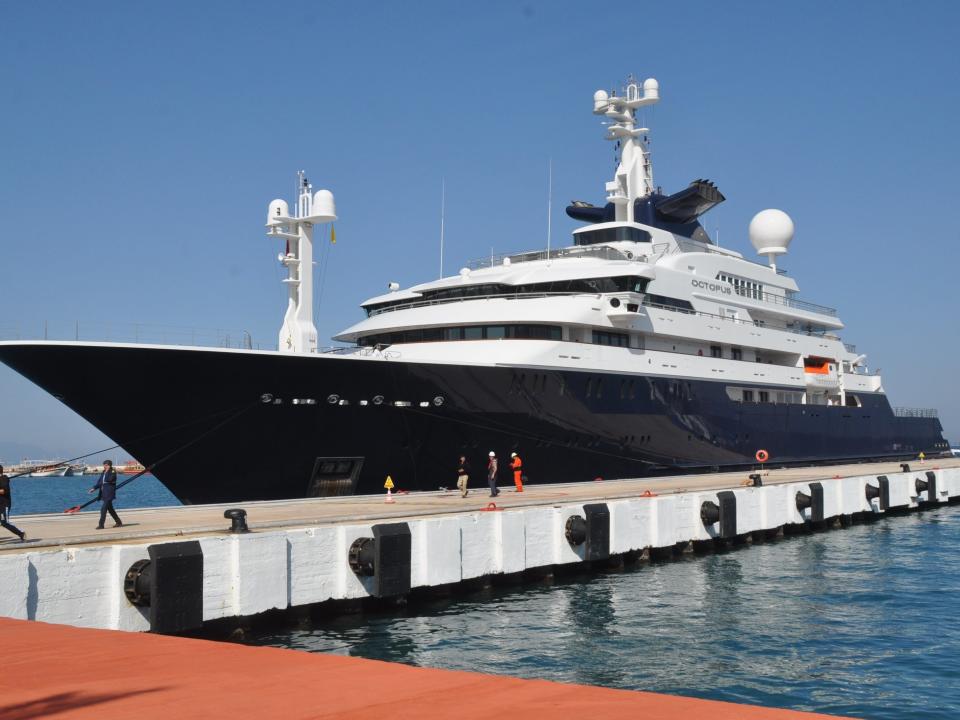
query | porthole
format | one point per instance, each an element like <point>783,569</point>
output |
<point>378,399</point>
<point>333,399</point>
<point>438,400</point>
<point>266,398</point>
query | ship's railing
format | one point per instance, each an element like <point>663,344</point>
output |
<point>691,246</point>
<point>657,251</point>
<point>785,301</point>
<point>600,252</point>
<point>751,293</point>
<point>915,412</point>
<point>445,301</point>
<point>736,320</point>
<point>136,333</point>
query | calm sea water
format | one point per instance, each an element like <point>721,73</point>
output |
<point>862,621</point>
<point>56,494</point>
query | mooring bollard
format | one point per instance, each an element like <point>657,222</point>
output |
<point>238,520</point>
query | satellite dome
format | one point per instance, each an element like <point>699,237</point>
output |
<point>600,99</point>
<point>771,232</point>
<point>651,86</point>
<point>323,205</point>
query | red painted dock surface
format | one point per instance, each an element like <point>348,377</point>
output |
<point>57,671</point>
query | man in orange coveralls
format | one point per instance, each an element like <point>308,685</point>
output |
<point>517,464</point>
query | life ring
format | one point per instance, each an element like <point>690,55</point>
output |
<point>762,456</point>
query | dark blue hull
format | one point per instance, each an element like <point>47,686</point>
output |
<point>224,426</point>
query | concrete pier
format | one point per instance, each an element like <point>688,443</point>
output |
<point>175,569</point>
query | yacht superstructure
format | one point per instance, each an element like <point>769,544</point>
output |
<point>642,347</point>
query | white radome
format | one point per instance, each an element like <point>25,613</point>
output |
<point>324,206</point>
<point>771,232</point>
<point>600,99</point>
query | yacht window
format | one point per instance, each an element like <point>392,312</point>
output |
<point>742,286</point>
<point>601,337</point>
<point>668,302</point>
<point>716,351</point>
<point>621,233</point>
<point>474,332</point>
<point>764,396</point>
<point>736,353</point>
<point>748,395</point>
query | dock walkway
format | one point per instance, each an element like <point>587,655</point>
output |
<point>177,569</point>
<point>191,521</point>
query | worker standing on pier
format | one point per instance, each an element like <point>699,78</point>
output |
<point>107,485</point>
<point>517,464</point>
<point>6,502</point>
<point>463,475</point>
<point>492,474</point>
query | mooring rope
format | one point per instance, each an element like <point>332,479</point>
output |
<point>194,441</point>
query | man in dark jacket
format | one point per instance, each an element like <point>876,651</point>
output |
<point>107,485</point>
<point>6,502</point>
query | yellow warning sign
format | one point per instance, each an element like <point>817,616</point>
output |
<point>389,483</point>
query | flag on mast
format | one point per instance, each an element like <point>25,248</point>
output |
<point>333,235</point>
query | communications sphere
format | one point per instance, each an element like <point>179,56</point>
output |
<point>771,232</point>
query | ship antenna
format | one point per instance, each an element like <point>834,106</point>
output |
<point>443,205</point>
<point>549,201</point>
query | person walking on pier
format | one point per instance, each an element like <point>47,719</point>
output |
<point>517,464</point>
<point>107,485</point>
<point>492,474</point>
<point>463,475</point>
<point>6,502</point>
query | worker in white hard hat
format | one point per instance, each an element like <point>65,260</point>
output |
<point>492,474</point>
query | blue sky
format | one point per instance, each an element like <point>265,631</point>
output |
<point>143,141</point>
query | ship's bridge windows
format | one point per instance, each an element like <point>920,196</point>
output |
<point>465,332</point>
<point>620,233</point>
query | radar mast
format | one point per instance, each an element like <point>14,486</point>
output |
<point>634,176</point>
<point>298,334</point>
